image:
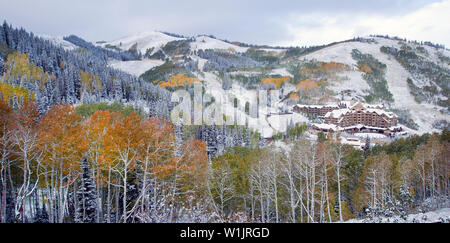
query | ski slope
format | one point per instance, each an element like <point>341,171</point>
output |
<point>396,76</point>
<point>206,42</point>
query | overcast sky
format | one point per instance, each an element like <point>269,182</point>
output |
<point>281,22</point>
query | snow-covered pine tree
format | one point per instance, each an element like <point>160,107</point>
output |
<point>247,134</point>
<point>211,141</point>
<point>2,65</point>
<point>87,196</point>
<point>221,140</point>
<point>237,136</point>
<point>366,146</point>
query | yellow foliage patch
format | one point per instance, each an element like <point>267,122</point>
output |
<point>7,91</point>
<point>18,67</point>
<point>307,85</point>
<point>179,80</point>
<point>328,68</point>
<point>278,82</point>
<point>87,81</point>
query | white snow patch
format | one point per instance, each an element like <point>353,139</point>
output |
<point>136,68</point>
<point>370,135</point>
<point>205,42</point>
<point>59,41</point>
<point>145,40</point>
<point>440,215</point>
<point>282,72</point>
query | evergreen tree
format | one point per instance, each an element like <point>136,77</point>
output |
<point>87,196</point>
<point>366,147</point>
<point>2,65</point>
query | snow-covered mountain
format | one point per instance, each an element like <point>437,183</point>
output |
<point>150,40</point>
<point>410,78</point>
<point>396,75</point>
<point>59,41</point>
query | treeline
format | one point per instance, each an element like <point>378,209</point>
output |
<point>326,181</point>
<point>226,62</point>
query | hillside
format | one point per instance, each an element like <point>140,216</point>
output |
<point>90,132</point>
<point>409,78</point>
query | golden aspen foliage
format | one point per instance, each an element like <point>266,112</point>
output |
<point>27,115</point>
<point>365,68</point>
<point>157,142</point>
<point>18,67</point>
<point>8,91</point>
<point>307,85</point>
<point>180,80</point>
<point>195,165</point>
<point>61,138</point>
<point>7,117</point>
<point>122,140</point>
<point>278,82</point>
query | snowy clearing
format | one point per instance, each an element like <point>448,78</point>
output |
<point>144,40</point>
<point>437,216</point>
<point>205,42</point>
<point>136,68</point>
<point>59,41</point>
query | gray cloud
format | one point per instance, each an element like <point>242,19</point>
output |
<point>257,22</point>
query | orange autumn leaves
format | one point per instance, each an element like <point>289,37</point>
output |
<point>365,68</point>
<point>109,139</point>
<point>307,85</point>
<point>319,68</point>
<point>179,80</point>
<point>278,82</point>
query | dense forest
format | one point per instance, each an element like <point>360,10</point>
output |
<point>54,75</point>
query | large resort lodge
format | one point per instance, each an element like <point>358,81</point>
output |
<point>351,117</point>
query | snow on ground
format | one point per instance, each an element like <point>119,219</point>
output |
<point>356,143</point>
<point>266,125</point>
<point>370,135</point>
<point>440,215</point>
<point>205,42</point>
<point>423,114</point>
<point>59,41</point>
<point>282,146</point>
<point>201,61</point>
<point>351,80</point>
<point>145,40</point>
<point>272,50</point>
<point>245,73</point>
<point>282,72</point>
<point>135,67</point>
<point>280,122</point>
